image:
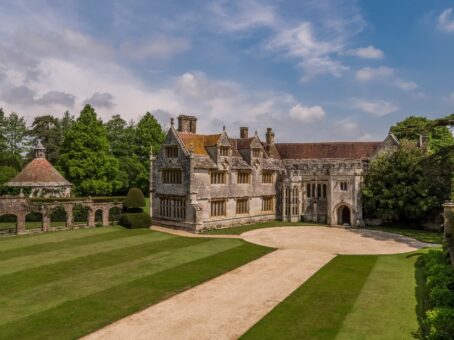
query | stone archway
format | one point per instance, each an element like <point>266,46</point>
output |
<point>8,224</point>
<point>344,215</point>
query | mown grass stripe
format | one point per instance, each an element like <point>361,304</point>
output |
<point>317,309</point>
<point>29,278</point>
<point>75,318</point>
<point>18,305</point>
<point>14,242</point>
<point>385,308</point>
<point>33,261</point>
<point>57,245</point>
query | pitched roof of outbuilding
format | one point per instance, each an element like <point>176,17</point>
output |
<point>350,150</point>
<point>39,173</point>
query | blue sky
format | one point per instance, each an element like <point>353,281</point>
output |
<point>312,70</point>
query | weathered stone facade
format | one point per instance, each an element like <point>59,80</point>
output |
<point>213,181</point>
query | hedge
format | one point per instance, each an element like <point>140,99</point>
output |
<point>135,220</point>
<point>438,320</point>
<point>135,199</point>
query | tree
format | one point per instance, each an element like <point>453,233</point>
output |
<point>397,187</point>
<point>411,128</point>
<point>149,135</point>
<point>2,131</point>
<point>85,157</point>
<point>48,130</point>
<point>14,131</point>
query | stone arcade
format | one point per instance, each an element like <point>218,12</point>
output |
<point>213,181</point>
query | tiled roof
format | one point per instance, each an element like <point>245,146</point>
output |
<point>242,143</point>
<point>198,143</point>
<point>38,173</point>
<point>350,150</point>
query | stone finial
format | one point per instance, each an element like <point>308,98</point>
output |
<point>223,128</point>
<point>191,148</point>
<point>171,121</point>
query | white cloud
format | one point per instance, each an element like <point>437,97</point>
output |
<point>160,47</point>
<point>374,107</point>
<point>385,74</point>
<point>369,52</point>
<point>242,15</point>
<point>445,21</point>
<point>315,55</point>
<point>307,114</point>
<point>369,73</point>
<point>99,99</point>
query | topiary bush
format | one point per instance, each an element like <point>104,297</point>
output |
<point>135,220</point>
<point>134,200</point>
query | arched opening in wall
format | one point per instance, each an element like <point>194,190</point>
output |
<point>80,215</point>
<point>58,217</point>
<point>34,221</point>
<point>98,217</point>
<point>344,215</point>
<point>114,215</point>
<point>8,224</point>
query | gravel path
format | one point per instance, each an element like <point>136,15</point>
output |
<point>227,306</point>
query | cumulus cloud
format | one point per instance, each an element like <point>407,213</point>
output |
<point>25,96</point>
<point>386,74</point>
<point>374,107</point>
<point>307,114</point>
<point>99,99</point>
<point>445,21</point>
<point>369,52</point>
<point>159,47</point>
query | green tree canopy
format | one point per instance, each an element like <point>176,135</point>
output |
<point>412,127</point>
<point>85,157</point>
<point>149,135</point>
<point>398,187</point>
<point>48,130</point>
<point>14,132</point>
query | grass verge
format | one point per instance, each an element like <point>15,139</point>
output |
<point>244,228</point>
<point>427,236</point>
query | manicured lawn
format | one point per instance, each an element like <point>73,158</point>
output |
<point>64,285</point>
<point>352,297</point>
<point>420,235</point>
<point>242,229</point>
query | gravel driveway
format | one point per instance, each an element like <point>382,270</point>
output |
<point>227,306</point>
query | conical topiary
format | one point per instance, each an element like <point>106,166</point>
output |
<point>134,199</point>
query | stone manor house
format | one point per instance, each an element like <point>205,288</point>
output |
<point>214,181</point>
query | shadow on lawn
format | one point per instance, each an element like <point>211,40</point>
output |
<point>420,294</point>
<point>387,236</point>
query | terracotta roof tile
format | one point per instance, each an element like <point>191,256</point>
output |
<point>198,142</point>
<point>351,150</point>
<point>39,172</point>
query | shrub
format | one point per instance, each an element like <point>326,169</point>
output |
<point>134,199</point>
<point>135,220</point>
<point>438,322</point>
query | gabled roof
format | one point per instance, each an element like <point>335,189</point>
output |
<point>198,143</point>
<point>39,173</point>
<point>350,150</point>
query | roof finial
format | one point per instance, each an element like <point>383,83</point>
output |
<point>223,128</point>
<point>171,121</point>
<point>39,149</point>
<point>256,133</point>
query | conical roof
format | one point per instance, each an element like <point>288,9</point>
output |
<point>39,173</point>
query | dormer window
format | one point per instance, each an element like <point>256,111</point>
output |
<point>171,151</point>
<point>256,153</point>
<point>224,151</point>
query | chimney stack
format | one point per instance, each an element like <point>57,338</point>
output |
<point>269,136</point>
<point>244,131</point>
<point>187,124</point>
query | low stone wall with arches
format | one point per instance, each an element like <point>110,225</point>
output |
<point>20,207</point>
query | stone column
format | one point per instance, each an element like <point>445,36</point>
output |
<point>448,219</point>
<point>69,216</point>
<point>91,217</point>
<point>284,200</point>
<point>329,199</point>
<point>300,202</point>
<point>46,220</point>
<point>105,216</point>
<point>20,226</point>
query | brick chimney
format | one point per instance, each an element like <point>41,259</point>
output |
<point>187,124</point>
<point>244,131</point>
<point>269,136</point>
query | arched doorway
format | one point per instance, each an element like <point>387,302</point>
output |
<point>8,224</point>
<point>344,215</point>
